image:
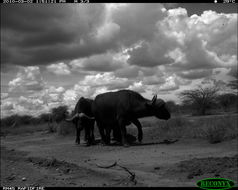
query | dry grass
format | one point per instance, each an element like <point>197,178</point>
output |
<point>22,129</point>
<point>220,129</point>
<point>65,128</point>
<point>62,129</point>
<point>213,128</point>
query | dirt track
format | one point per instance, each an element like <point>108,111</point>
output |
<point>42,159</point>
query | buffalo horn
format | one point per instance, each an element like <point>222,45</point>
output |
<point>86,116</point>
<point>154,99</point>
<point>72,118</point>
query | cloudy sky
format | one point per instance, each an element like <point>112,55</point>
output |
<point>53,54</point>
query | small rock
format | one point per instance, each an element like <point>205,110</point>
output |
<point>57,169</point>
<point>23,179</point>
<point>66,170</point>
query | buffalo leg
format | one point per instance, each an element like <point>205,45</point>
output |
<point>92,134</point>
<point>122,127</point>
<point>136,122</point>
<point>77,136</point>
<point>117,134</point>
<point>86,135</point>
<point>101,131</point>
<point>91,138</point>
<point>108,135</point>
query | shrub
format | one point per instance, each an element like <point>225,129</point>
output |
<point>216,133</point>
<point>52,127</point>
<point>59,114</point>
<point>220,129</point>
<point>173,128</point>
<point>64,128</point>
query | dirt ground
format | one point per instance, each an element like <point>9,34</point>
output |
<point>43,159</point>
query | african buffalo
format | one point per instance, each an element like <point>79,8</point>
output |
<point>83,119</point>
<point>115,110</point>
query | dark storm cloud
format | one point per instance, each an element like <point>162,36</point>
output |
<point>30,17</point>
<point>102,62</point>
<point>40,34</point>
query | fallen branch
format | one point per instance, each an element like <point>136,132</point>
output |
<point>132,174</point>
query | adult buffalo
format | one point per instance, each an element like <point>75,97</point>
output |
<point>83,119</point>
<point>116,110</point>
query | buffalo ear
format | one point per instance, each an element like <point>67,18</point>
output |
<point>160,102</point>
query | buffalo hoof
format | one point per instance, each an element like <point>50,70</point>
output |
<point>126,145</point>
<point>130,138</point>
<point>103,143</point>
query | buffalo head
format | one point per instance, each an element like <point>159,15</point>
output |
<point>158,108</point>
<point>78,118</point>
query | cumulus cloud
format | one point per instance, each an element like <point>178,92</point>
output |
<point>201,39</point>
<point>93,85</point>
<point>107,32</point>
<point>148,48</point>
<point>34,103</point>
<point>138,87</point>
<point>7,106</point>
<point>4,95</point>
<point>107,79</point>
<point>27,79</point>
<point>143,21</point>
<point>127,72</point>
<point>185,43</point>
<point>172,83</point>
<point>59,69</point>
<point>101,62</point>
<point>30,103</point>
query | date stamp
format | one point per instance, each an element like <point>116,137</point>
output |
<point>24,188</point>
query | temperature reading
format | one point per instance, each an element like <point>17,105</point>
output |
<point>229,1</point>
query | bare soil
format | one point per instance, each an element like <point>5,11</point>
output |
<point>42,159</point>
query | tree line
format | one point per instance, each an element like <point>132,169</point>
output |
<point>198,101</point>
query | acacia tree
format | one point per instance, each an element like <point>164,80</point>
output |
<point>201,98</point>
<point>227,100</point>
<point>59,113</point>
<point>172,106</point>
